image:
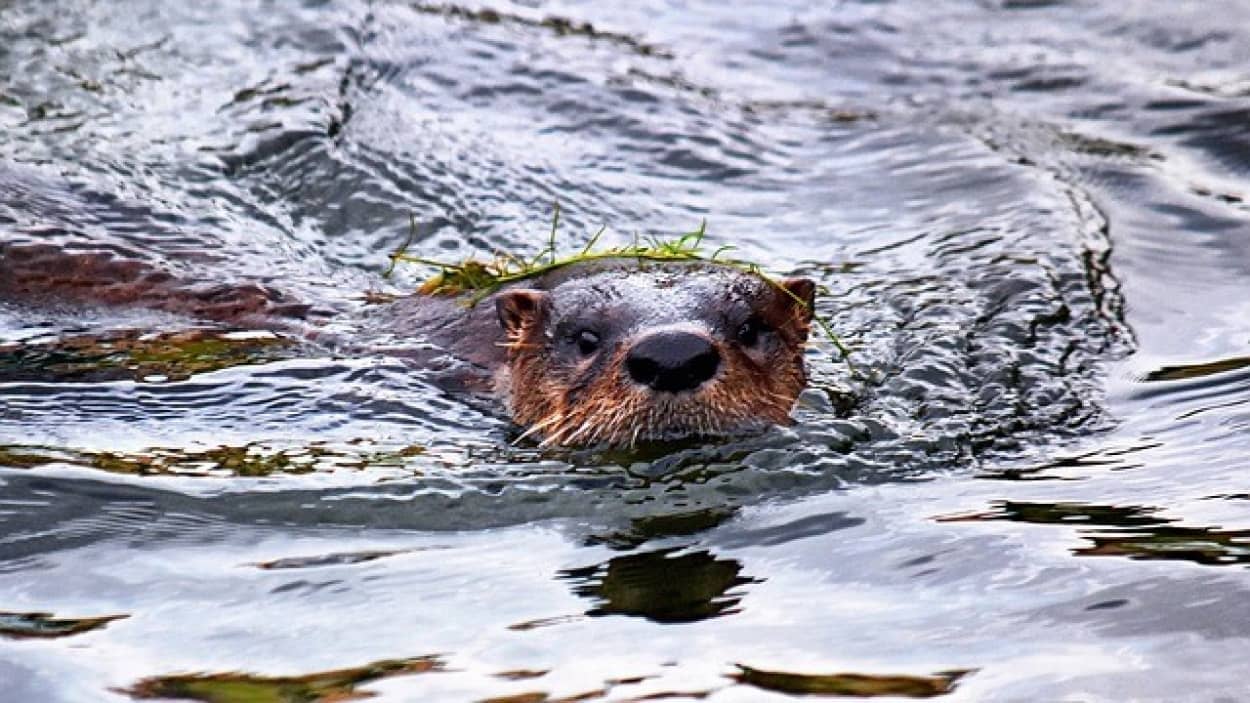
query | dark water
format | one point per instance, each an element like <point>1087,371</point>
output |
<point>1031,220</point>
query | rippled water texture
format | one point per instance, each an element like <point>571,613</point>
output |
<point>1031,220</point>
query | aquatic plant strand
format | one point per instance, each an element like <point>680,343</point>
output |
<point>479,279</point>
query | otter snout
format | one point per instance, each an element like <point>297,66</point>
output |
<point>672,361</point>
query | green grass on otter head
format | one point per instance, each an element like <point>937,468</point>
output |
<point>478,279</point>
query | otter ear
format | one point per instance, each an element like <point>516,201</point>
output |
<point>519,308</point>
<point>801,294</point>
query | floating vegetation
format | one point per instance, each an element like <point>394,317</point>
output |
<point>1132,532</point>
<point>20,458</point>
<point>321,687</point>
<point>478,279</point>
<point>521,674</point>
<point>537,697</point>
<point>47,626</point>
<point>131,355</point>
<point>248,460</point>
<point>1185,372</point>
<point>857,685</point>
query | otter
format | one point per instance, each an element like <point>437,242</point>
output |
<point>616,351</point>
<point>605,352</point>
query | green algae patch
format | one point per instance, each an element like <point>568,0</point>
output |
<point>850,685</point>
<point>48,626</point>
<point>130,355</point>
<point>479,279</point>
<point>320,687</point>
<point>245,461</point>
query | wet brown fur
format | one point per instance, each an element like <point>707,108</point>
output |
<point>45,272</point>
<point>746,394</point>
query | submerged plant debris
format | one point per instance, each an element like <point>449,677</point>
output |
<point>247,460</point>
<point>48,626</point>
<point>235,687</point>
<point>478,279</point>
<point>856,685</point>
<point>138,356</point>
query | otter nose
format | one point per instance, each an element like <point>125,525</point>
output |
<point>672,361</point>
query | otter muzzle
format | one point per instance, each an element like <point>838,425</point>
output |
<point>672,361</point>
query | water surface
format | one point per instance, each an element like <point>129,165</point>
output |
<point>1031,221</point>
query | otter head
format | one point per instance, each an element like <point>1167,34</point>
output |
<point>655,352</point>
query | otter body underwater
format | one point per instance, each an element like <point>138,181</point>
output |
<point>620,350</point>
<point>609,352</point>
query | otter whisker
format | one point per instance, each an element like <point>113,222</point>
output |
<point>621,418</point>
<point>553,439</point>
<point>633,440</point>
<point>538,427</point>
<point>580,431</point>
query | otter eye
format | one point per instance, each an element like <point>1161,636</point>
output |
<point>587,342</point>
<point>749,332</point>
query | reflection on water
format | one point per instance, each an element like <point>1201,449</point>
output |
<point>1030,219</point>
<point>336,559</point>
<point>1136,532</point>
<point>649,527</point>
<point>660,586</point>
